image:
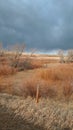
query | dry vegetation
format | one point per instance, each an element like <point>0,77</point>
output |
<point>7,70</point>
<point>38,78</point>
<point>19,114</point>
<point>55,82</point>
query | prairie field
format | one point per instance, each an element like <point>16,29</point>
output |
<point>36,65</point>
<point>37,90</point>
<point>55,80</point>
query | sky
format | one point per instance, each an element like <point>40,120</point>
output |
<point>41,24</point>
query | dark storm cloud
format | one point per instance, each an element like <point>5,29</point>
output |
<point>42,24</point>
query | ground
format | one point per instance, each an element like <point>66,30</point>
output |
<point>19,109</point>
<point>17,113</point>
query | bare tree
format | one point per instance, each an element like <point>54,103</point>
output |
<point>61,55</point>
<point>32,51</point>
<point>70,56</point>
<point>16,52</point>
<point>2,51</point>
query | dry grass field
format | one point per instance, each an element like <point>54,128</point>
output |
<point>18,94</point>
<point>55,80</point>
<point>17,113</point>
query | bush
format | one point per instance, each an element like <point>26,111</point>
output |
<point>70,56</point>
<point>7,70</point>
<point>29,88</point>
<point>60,73</point>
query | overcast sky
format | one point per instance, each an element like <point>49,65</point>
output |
<point>41,24</point>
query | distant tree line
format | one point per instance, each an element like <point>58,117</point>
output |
<point>14,53</point>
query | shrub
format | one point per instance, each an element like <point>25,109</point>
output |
<point>61,73</point>
<point>29,88</point>
<point>7,70</point>
<point>70,56</point>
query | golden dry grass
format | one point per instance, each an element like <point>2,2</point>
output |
<point>6,70</point>
<point>55,81</point>
<point>61,72</point>
<point>24,114</point>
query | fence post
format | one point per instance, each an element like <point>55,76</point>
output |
<point>37,94</point>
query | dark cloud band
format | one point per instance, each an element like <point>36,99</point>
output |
<point>42,24</point>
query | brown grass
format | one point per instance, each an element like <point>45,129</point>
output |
<point>6,70</point>
<point>55,82</point>
<point>24,114</point>
<point>61,72</point>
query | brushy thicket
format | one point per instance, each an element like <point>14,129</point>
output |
<point>29,88</point>
<point>28,64</point>
<point>59,73</point>
<point>53,82</point>
<point>5,67</point>
<point>6,70</point>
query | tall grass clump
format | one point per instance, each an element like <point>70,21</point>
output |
<point>6,70</point>
<point>59,73</point>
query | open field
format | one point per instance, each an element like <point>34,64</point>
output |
<point>36,65</point>
<point>54,81</point>
<point>20,107</point>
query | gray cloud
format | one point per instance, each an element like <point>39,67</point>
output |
<point>42,24</point>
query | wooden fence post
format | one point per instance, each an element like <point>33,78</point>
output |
<point>37,94</point>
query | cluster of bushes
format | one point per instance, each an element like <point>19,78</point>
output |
<point>12,57</point>
<point>7,70</point>
<point>66,59</point>
<point>55,83</point>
